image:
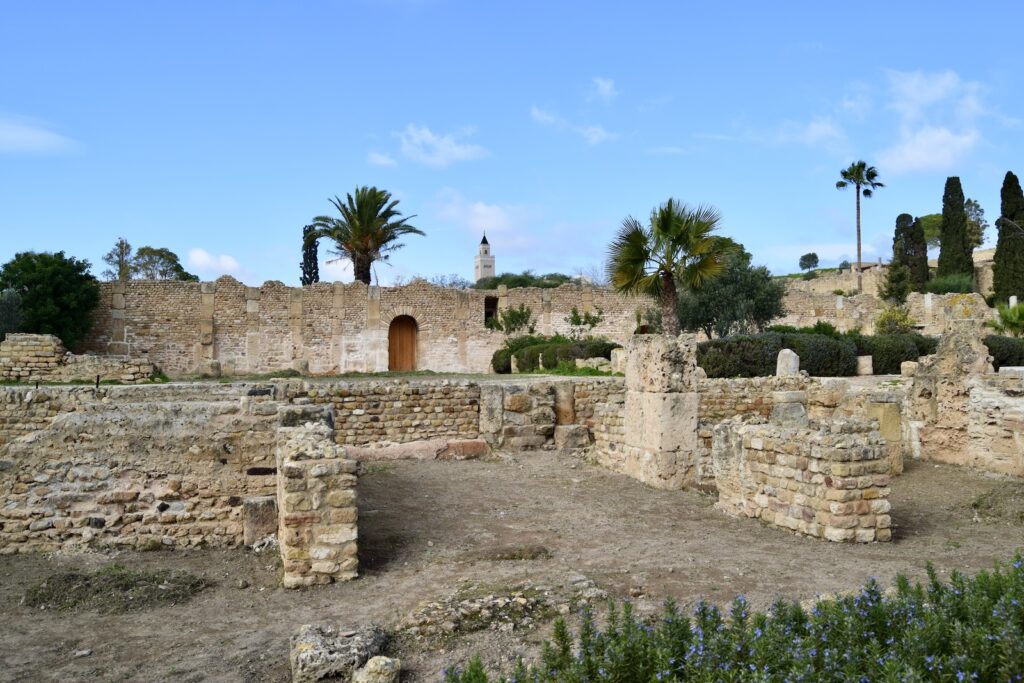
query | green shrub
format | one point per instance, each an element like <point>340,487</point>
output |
<point>809,275</point>
<point>838,292</point>
<point>783,329</point>
<point>740,356</point>
<point>894,320</point>
<point>1005,351</point>
<point>822,355</point>
<point>501,361</point>
<point>969,629</point>
<point>950,284</point>
<point>888,351</point>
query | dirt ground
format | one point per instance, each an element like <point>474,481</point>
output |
<point>428,529</point>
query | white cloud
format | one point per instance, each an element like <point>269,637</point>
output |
<point>23,136</point>
<point>512,222</point>
<point>938,120</point>
<point>336,270</point>
<point>422,145</point>
<point>380,159</point>
<point>817,131</point>
<point>591,133</point>
<point>604,89</point>
<point>594,135</point>
<point>209,265</point>
<point>928,149</point>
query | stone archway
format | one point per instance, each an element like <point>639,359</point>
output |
<point>402,336</point>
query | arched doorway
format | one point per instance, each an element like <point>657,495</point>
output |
<point>402,344</point>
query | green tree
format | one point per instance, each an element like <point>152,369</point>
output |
<point>527,278</point>
<point>976,223</point>
<point>1008,263</point>
<point>583,323</point>
<point>908,270</point>
<point>897,283</point>
<point>955,251</point>
<point>864,180</point>
<point>58,294</point>
<point>310,266</point>
<point>676,250</point>
<point>367,231</point>
<point>931,223</point>
<point>10,312</point>
<point>512,320</point>
<point>120,260</point>
<point>742,300</point>
<point>808,261</point>
<point>159,263</point>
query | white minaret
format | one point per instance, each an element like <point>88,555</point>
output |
<point>483,264</point>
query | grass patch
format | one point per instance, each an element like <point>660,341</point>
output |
<point>1004,501</point>
<point>531,551</point>
<point>114,588</point>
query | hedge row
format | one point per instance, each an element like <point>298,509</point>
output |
<point>1005,351</point>
<point>821,355</point>
<point>536,352</point>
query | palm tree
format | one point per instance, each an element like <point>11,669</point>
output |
<point>676,250</point>
<point>368,230</point>
<point>864,179</point>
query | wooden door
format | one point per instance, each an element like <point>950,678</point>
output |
<point>402,344</point>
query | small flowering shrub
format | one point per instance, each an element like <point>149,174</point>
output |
<point>970,629</point>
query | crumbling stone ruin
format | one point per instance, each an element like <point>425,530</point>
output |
<point>42,357</point>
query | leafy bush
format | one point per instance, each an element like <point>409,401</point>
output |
<point>889,351</point>
<point>1005,351</point>
<point>501,361</point>
<point>10,312</point>
<point>894,320</point>
<point>819,327</point>
<point>553,352</point>
<point>756,355</point>
<point>512,320</point>
<point>969,629</point>
<point>950,284</point>
<point>1010,322</point>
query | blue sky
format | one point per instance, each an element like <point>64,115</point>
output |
<point>219,129</point>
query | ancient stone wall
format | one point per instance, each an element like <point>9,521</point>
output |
<point>826,481</point>
<point>995,424</point>
<point>133,466</point>
<point>43,358</point>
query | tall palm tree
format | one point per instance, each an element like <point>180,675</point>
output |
<point>864,179</point>
<point>368,230</point>
<point>677,249</point>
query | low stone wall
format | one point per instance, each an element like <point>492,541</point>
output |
<point>133,466</point>
<point>995,425</point>
<point>316,490</point>
<point>723,399</point>
<point>826,481</point>
<point>43,358</point>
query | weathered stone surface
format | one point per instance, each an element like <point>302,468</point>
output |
<point>379,670</point>
<point>259,518</point>
<point>661,364</point>
<point>661,421</point>
<point>789,408</point>
<point>322,651</point>
<point>865,366</point>
<point>908,368</point>
<point>787,363</point>
<point>565,404</point>
<point>571,437</point>
<point>619,361</point>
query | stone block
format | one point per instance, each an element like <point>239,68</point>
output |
<point>888,416</point>
<point>571,437</point>
<point>379,670</point>
<point>259,518</point>
<point>787,364</point>
<point>323,651</point>
<point>661,364</point>
<point>518,402</point>
<point>865,366</point>
<point>619,360</point>
<point>908,368</point>
<point>1012,371</point>
<point>565,403</point>
<point>661,421</point>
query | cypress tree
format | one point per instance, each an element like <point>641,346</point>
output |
<point>908,271</point>
<point>310,266</point>
<point>1008,265</point>
<point>955,252</point>
<point>916,255</point>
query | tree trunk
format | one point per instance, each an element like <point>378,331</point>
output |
<point>669,315</point>
<point>361,269</point>
<point>859,288</point>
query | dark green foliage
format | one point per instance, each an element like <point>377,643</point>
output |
<point>1005,351</point>
<point>1008,263</point>
<point>310,265</point>
<point>57,293</point>
<point>955,251</point>
<point>976,223</point>
<point>823,356</point>
<point>897,285</point>
<point>819,327</point>
<point>121,261</point>
<point>742,300</point>
<point>890,350</point>
<point>10,312</point>
<point>809,261</point>
<point>115,588</point>
<point>950,284</point>
<point>908,271</point>
<point>527,278</point>
<point>512,320</point>
<point>810,275</point>
<point>159,263</point>
<point>969,629</point>
<point>532,350</point>
<point>740,356</point>
<point>501,361</point>
<point>583,323</point>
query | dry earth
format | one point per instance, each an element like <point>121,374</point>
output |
<point>429,529</point>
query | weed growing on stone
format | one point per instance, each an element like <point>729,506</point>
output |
<point>114,588</point>
<point>969,629</point>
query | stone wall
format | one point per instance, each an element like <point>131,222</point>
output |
<point>995,424</point>
<point>316,490</point>
<point>43,358</point>
<point>826,481</point>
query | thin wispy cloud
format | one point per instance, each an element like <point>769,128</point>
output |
<point>592,134</point>
<point>938,121</point>
<point>22,136</point>
<point>514,224</point>
<point>603,89</point>
<point>211,266</point>
<point>422,145</point>
<point>821,130</point>
<point>380,159</point>
<point>666,151</point>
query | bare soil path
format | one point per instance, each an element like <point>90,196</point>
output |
<point>429,528</point>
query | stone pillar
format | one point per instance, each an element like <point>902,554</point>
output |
<point>661,411</point>
<point>316,491</point>
<point>118,344</point>
<point>865,366</point>
<point>787,364</point>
